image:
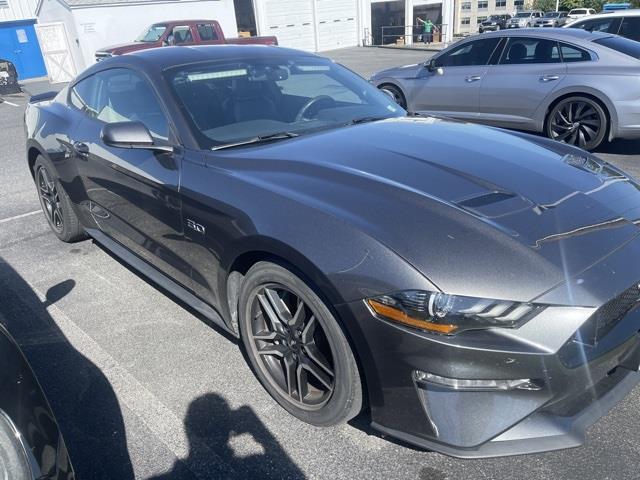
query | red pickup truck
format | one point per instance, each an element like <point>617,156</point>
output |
<point>181,32</point>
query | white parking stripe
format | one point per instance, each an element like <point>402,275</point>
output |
<point>10,103</point>
<point>16,217</point>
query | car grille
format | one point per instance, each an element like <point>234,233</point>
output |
<point>608,316</point>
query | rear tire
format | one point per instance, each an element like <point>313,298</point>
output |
<point>579,121</point>
<point>296,347</point>
<point>56,204</point>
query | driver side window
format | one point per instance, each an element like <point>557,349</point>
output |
<point>477,52</point>
<point>120,95</point>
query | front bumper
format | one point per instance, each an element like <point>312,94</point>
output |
<point>515,25</point>
<point>579,381</point>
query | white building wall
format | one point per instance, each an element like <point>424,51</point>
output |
<point>18,10</point>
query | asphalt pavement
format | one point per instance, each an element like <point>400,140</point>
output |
<point>144,388</point>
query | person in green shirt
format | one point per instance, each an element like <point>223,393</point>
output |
<point>427,29</point>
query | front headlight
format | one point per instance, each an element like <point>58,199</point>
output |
<point>438,312</point>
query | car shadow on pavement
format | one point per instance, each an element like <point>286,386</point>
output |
<point>81,397</point>
<point>226,443</point>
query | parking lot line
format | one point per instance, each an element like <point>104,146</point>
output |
<point>10,103</point>
<point>17,217</point>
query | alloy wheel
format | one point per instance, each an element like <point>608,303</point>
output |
<point>291,347</point>
<point>578,122</point>
<point>50,199</point>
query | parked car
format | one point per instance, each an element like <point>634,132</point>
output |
<point>524,19</point>
<point>572,85</point>
<point>493,23</point>
<point>473,285</point>
<point>580,13</point>
<point>552,19</point>
<point>8,78</point>
<point>31,446</point>
<point>181,32</point>
<point>625,23</point>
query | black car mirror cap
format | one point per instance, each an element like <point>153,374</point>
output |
<point>433,67</point>
<point>130,135</point>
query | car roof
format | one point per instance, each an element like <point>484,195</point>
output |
<point>633,12</point>
<point>158,59</point>
<point>567,34</point>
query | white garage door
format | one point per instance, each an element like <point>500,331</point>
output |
<point>337,25</point>
<point>293,22</point>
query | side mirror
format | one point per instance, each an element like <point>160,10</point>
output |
<point>433,67</point>
<point>130,135</point>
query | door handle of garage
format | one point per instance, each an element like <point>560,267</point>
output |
<point>473,78</point>
<point>549,78</point>
<point>81,149</point>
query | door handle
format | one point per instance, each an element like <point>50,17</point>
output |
<point>549,78</point>
<point>81,149</point>
<point>473,78</point>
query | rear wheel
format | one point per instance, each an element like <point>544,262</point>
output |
<point>580,121</point>
<point>297,348</point>
<point>56,204</point>
<point>397,94</point>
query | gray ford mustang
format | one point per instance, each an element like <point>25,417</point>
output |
<point>471,290</point>
<point>574,86</point>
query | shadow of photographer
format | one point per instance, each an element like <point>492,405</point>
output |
<point>83,401</point>
<point>230,444</point>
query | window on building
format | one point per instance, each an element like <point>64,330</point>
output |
<point>465,21</point>
<point>483,4</point>
<point>4,3</point>
<point>465,6</point>
<point>501,3</point>
<point>518,4</point>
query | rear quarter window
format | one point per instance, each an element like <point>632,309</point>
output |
<point>573,54</point>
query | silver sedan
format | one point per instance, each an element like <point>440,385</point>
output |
<point>575,86</point>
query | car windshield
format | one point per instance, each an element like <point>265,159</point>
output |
<point>523,15</point>
<point>494,18</point>
<point>552,14</point>
<point>239,101</point>
<point>152,34</point>
<point>578,11</point>
<point>622,45</point>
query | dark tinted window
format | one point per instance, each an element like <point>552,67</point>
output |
<point>120,95</point>
<point>574,54</point>
<point>522,50</point>
<point>476,52</point>
<point>623,45</point>
<point>631,28</point>
<point>207,32</point>
<point>610,25</point>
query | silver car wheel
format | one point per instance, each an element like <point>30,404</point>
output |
<point>578,121</point>
<point>397,94</point>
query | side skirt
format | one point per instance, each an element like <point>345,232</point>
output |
<point>159,278</point>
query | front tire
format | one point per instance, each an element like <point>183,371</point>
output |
<point>398,96</point>
<point>56,204</point>
<point>296,347</point>
<point>579,121</point>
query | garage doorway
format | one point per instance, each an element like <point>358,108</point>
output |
<point>245,17</point>
<point>385,14</point>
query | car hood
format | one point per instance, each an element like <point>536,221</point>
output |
<point>123,48</point>
<point>477,210</point>
<point>406,71</point>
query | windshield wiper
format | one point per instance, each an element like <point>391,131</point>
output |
<point>259,139</point>
<point>356,121</point>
